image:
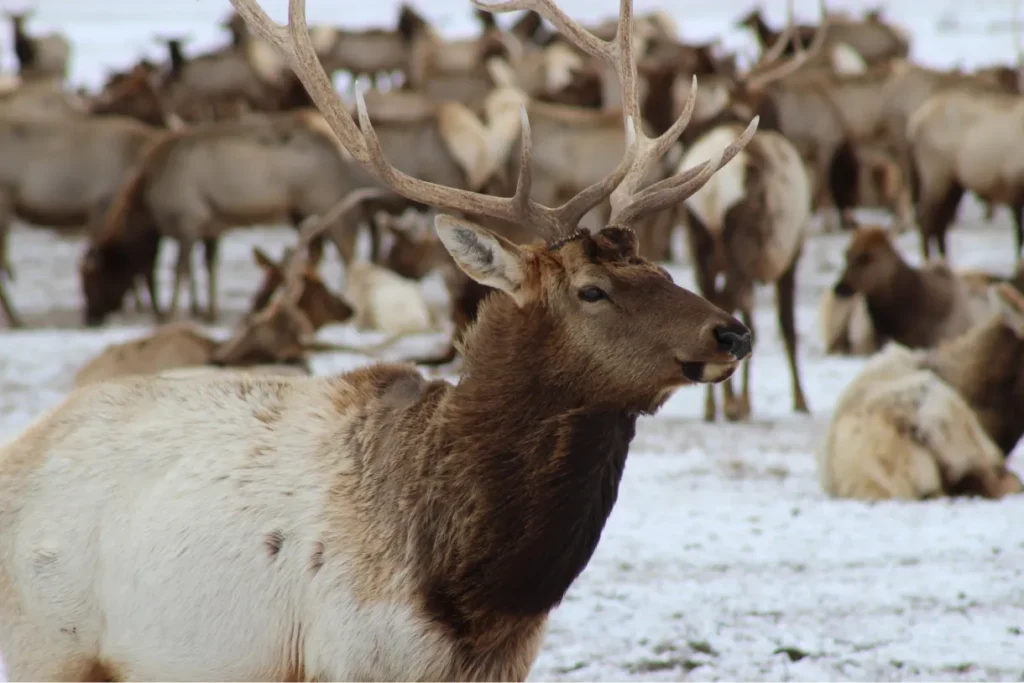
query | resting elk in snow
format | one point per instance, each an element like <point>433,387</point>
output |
<point>919,424</point>
<point>917,307</point>
<point>273,338</point>
<point>372,525</point>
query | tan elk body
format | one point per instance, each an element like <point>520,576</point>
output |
<point>372,525</point>
<point>904,427</point>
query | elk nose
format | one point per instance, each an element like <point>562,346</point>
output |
<point>735,340</point>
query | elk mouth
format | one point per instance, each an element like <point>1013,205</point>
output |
<point>707,373</point>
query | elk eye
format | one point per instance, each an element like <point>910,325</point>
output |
<point>592,294</point>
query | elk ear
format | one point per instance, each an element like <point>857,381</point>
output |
<point>486,257</point>
<point>262,260</point>
<point>1009,303</point>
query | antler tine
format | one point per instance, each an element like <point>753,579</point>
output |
<point>789,34</point>
<point>783,70</point>
<point>679,187</point>
<point>362,142</point>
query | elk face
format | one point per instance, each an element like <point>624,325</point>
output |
<point>277,334</point>
<point>616,316</point>
<point>871,263</point>
<point>106,276</point>
<point>319,304</point>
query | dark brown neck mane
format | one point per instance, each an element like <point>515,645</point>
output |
<point>511,478</point>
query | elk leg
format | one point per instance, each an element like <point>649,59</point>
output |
<point>739,409</point>
<point>785,294</point>
<point>701,252</point>
<point>938,209</point>
<point>1018,226</point>
<point>12,317</point>
<point>182,269</point>
<point>210,252</point>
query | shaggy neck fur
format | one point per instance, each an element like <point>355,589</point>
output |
<point>505,493</point>
<point>907,309</point>
<point>986,367</point>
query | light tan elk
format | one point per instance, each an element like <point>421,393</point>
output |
<point>195,184</point>
<point>749,224</point>
<point>372,524</point>
<point>39,57</point>
<point>43,100</point>
<point>927,423</point>
<point>61,174</point>
<point>278,334</point>
<point>964,139</point>
<point>370,52</point>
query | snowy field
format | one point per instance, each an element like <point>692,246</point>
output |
<point>722,560</point>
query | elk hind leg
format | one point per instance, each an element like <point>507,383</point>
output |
<point>1018,226</point>
<point>183,270</point>
<point>736,409</point>
<point>701,253</point>
<point>210,253</point>
<point>11,315</point>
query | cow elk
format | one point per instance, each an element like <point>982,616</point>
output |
<point>964,139</point>
<point>749,224</point>
<point>62,174</point>
<point>372,524</point>
<point>918,424</point>
<point>916,307</point>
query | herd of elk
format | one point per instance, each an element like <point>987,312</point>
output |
<point>272,524</point>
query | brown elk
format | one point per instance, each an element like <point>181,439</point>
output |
<point>39,57</point>
<point>279,332</point>
<point>372,524</point>
<point>963,139</point>
<point>916,307</point>
<point>62,174</point>
<point>318,303</point>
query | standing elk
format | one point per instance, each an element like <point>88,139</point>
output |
<point>918,424</point>
<point>965,139</point>
<point>196,183</point>
<point>749,224</point>
<point>43,57</point>
<point>62,174</point>
<point>372,524</point>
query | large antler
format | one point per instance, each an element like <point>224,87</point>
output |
<point>766,70</point>
<point>362,143</point>
<point>629,205</point>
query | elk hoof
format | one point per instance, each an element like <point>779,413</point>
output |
<point>736,410</point>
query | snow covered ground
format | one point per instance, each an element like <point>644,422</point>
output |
<point>722,558</point>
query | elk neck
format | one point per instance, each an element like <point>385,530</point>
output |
<point>512,479</point>
<point>906,305</point>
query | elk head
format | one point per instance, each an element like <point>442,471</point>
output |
<point>871,263</point>
<point>604,312</point>
<point>319,304</point>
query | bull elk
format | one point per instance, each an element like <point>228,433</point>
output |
<point>373,524</point>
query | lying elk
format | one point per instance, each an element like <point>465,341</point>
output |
<point>39,57</point>
<point>62,174</point>
<point>921,424</point>
<point>371,524</point>
<point>964,139</point>
<point>196,183</point>
<point>916,307</point>
<point>278,334</point>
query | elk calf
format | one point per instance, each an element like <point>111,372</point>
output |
<point>918,424</point>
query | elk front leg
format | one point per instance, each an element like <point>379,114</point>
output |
<point>210,252</point>
<point>735,409</point>
<point>785,296</point>
<point>6,273</point>
<point>1018,226</point>
<point>702,253</point>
